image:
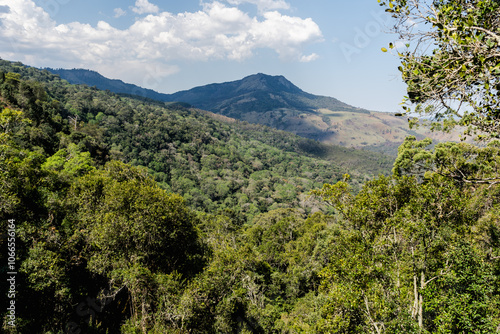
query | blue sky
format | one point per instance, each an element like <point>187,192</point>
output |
<point>325,47</point>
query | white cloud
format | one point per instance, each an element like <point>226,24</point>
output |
<point>307,59</point>
<point>119,12</point>
<point>216,32</point>
<point>145,7</point>
<point>285,34</point>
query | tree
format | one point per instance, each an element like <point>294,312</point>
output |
<point>451,63</point>
<point>464,163</point>
<point>134,233</point>
<point>461,298</point>
<point>408,256</point>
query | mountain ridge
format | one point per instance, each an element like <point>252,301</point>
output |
<point>212,97</point>
<point>259,93</point>
<point>276,102</point>
<point>80,76</point>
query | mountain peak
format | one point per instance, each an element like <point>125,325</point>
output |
<point>256,93</point>
<point>264,82</point>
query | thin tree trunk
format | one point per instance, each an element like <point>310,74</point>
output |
<point>421,301</point>
<point>414,310</point>
<point>370,317</point>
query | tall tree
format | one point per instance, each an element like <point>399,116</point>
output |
<point>451,63</point>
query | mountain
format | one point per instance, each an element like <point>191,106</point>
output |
<point>75,157</point>
<point>93,78</point>
<point>258,93</point>
<point>186,149</point>
<point>276,102</point>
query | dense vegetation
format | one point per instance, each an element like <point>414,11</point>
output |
<point>276,102</point>
<point>86,221</point>
<point>92,78</point>
<point>104,245</point>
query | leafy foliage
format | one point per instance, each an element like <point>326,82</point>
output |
<point>453,66</point>
<point>104,246</point>
<point>412,234</point>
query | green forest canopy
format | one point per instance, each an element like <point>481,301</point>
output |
<point>104,244</point>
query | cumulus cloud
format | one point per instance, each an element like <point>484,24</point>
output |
<point>119,12</point>
<point>217,31</point>
<point>145,7</point>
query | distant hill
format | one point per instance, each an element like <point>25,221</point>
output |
<point>276,102</point>
<point>259,93</point>
<point>93,78</point>
<point>206,157</point>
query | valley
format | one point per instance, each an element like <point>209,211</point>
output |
<point>176,219</point>
<point>232,201</point>
<point>276,102</point>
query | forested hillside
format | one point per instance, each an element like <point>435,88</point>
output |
<point>128,215</point>
<point>92,78</point>
<point>65,184</point>
<point>121,214</point>
<point>276,102</point>
<point>209,161</point>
